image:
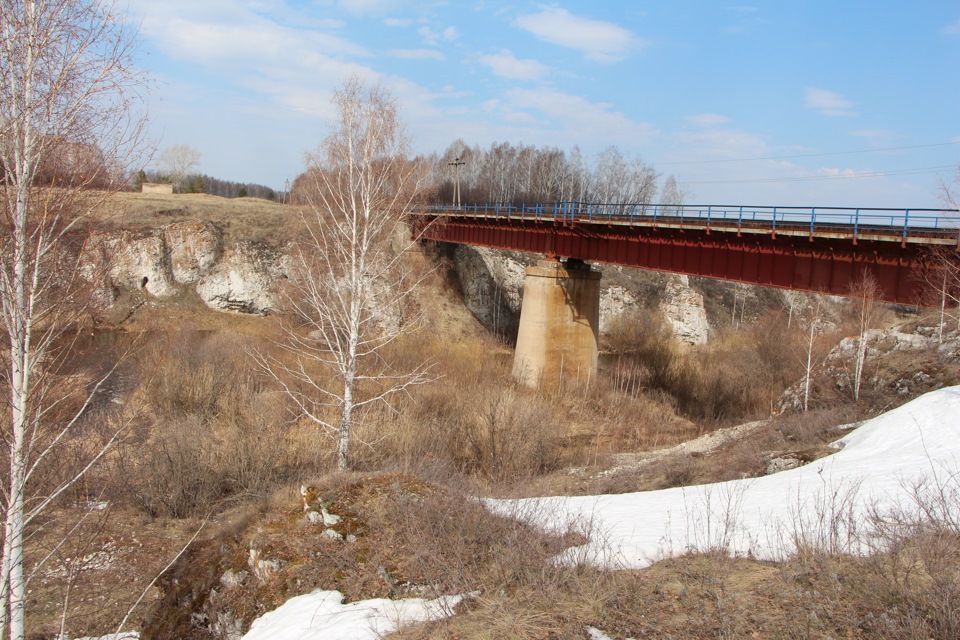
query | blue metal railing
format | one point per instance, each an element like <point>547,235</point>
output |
<point>856,222</point>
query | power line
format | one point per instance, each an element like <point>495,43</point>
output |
<point>847,176</point>
<point>808,155</point>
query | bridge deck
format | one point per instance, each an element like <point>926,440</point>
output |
<point>813,249</point>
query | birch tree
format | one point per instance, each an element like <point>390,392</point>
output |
<point>864,292</point>
<point>350,294</point>
<point>67,81</point>
<point>178,161</point>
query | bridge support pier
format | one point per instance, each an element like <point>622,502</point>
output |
<point>559,324</point>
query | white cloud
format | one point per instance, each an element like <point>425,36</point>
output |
<point>827,103</point>
<point>952,29</point>
<point>433,38</point>
<point>596,39</point>
<point>719,143</point>
<point>707,119</point>
<point>398,22</point>
<point>506,65</point>
<point>416,54</point>
<point>581,120</point>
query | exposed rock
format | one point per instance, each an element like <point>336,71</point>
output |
<point>231,578</point>
<point>262,569</point>
<point>137,261</point>
<point>683,308</point>
<point>329,519</point>
<point>492,285</point>
<point>782,463</point>
<point>837,368</point>
<point>615,301</point>
<point>243,279</point>
<point>194,248</point>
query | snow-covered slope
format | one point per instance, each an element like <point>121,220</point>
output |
<point>826,501</point>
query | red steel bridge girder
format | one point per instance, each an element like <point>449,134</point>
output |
<point>807,263</point>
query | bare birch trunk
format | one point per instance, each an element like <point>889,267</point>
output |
<point>66,82</point>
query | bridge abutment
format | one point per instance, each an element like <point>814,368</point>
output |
<point>559,330</point>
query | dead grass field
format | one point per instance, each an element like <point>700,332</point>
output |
<point>240,218</point>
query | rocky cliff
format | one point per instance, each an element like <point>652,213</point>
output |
<point>161,262</point>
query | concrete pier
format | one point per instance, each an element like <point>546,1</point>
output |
<point>559,324</point>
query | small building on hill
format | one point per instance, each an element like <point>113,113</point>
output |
<point>157,187</point>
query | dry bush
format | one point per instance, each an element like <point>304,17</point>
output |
<point>737,375</point>
<point>504,435</point>
<point>647,352</point>
<point>217,431</point>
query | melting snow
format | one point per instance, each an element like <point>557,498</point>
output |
<point>321,615</point>
<point>875,468</point>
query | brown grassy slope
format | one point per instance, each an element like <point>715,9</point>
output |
<point>240,218</point>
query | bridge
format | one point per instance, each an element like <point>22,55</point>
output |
<point>817,249</point>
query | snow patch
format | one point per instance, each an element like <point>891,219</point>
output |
<point>321,615</point>
<point>874,468</point>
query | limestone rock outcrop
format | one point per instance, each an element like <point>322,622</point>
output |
<point>194,249</point>
<point>683,308</point>
<point>136,261</point>
<point>243,279</point>
<point>160,262</point>
<point>615,301</point>
<point>492,286</point>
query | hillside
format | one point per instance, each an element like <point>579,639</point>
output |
<point>212,443</point>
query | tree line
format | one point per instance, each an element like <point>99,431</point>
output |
<point>202,183</point>
<point>506,172</point>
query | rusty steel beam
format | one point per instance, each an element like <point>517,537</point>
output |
<point>820,263</point>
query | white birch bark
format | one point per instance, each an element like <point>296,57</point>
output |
<point>66,82</point>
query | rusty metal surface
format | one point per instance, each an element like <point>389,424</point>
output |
<point>790,256</point>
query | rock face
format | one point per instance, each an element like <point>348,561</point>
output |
<point>139,261</point>
<point>615,301</point>
<point>492,285</point>
<point>683,308</point>
<point>160,262</point>
<point>194,249</point>
<point>243,279</point>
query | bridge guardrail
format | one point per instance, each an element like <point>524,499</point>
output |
<point>904,223</point>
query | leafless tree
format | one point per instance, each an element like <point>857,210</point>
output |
<point>865,293</point>
<point>178,161</point>
<point>939,276</point>
<point>950,192</point>
<point>351,288</point>
<point>67,80</point>
<point>813,318</point>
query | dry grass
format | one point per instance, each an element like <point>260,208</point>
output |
<point>251,219</point>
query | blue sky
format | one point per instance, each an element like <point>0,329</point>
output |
<point>814,103</point>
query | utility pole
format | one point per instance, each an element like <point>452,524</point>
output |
<point>456,164</point>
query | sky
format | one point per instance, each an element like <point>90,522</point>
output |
<point>804,103</point>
